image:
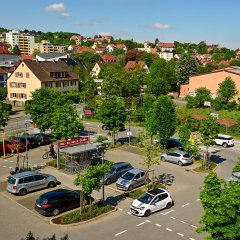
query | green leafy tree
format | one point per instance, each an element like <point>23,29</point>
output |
<point>227,89</point>
<point>151,123</point>
<point>89,90</point>
<point>16,50</point>
<point>202,95</point>
<point>30,236</point>
<point>235,62</point>
<point>184,133</point>
<point>65,122</point>
<point>209,130</point>
<point>186,67</point>
<point>112,113</point>
<point>166,118</point>
<point>221,206</point>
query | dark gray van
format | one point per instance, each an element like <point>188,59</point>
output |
<point>116,171</point>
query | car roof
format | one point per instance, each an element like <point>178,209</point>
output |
<point>24,174</point>
<point>136,170</point>
<point>180,152</point>
<point>223,135</point>
<point>157,191</point>
<point>56,192</point>
<point>119,164</point>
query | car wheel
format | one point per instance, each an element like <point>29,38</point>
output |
<point>55,212</point>
<point>169,205</point>
<point>180,163</point>
<point>52,185</point>
<point>224,145</point>
<point>130,188</point>
<point>23,192</point>
<point>147,213</point>
<point>163,159</point>
<point>108,181</point>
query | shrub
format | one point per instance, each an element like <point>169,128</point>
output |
<point>236,168</point>
<point>101,138</point>
<point>52,163</point>
<point>88,212</point>
<point>190,101</point>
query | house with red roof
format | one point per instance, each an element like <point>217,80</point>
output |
<point>100,50</point>
<point>4,48</point>
<point>165,46</point>
<point>107,38</point>
<point>108,58</point>
<point>80,49</point>
<point>131,65</point>
<point>77,38</point>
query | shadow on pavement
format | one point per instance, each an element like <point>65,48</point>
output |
<point>217,158</point>
<point>115,200</point>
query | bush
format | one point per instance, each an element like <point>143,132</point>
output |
<point>52,163</point>
<point>101,138</point>
<point>87,213</point>
<point>190,101</point>
<point>236,168</point>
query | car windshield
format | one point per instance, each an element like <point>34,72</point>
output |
<point>145,198</point>
<point>11,180</point>
<point>41,200</point>
<point>112,169</point>
<point>128,176</point>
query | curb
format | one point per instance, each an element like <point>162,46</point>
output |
<point>82,222</point>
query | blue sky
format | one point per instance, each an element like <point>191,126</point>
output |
<point>215,21</point>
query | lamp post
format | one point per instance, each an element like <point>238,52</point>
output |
<point>129,127</point>
<point>26,148</point>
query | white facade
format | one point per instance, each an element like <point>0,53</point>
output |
<point>166,55</point>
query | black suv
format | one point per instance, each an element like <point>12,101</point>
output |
<point>41,138</point>
<point>57,201</point>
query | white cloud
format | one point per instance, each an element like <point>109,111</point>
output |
<point>160,26</point>
<point>105,34</point>
<point>65,14</point>
<point>55,7</point>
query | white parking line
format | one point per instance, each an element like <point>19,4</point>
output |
<point>147,221</point>
<point>4,166</point>
<point>5,160</point>
<point>120,233</point>
<point>129,213</point>
<point>193,226</point>
<point>11,161</point>
<point>168,229</point>
<point>185,205</point>
<point>198,200</point>
<point>180,234</point>
<point>167,212</point>
<point>140,224</point>
<point>158,225</point>
<point>182,222</point>
<point>10,167</point>
<point>191,238</point>
<point>120,209</point>
<point>173,218</point>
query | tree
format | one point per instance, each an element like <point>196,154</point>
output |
<point>112,113</point>
<point>30,236</point>
<point>184,133</point>
<point>16,50</point>
<point>166,118</point>
<point>221,205</point>
<point>209,130</point>
<point>151,123</point>
<point>186,67</point>
<point>202,95</point>
<point>227,89</point>
<point>89,89</point>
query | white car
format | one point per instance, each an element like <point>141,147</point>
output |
<point>224,140</point>
<point>151,201</point>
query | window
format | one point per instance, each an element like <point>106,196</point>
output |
<point>22,96</point>
<point>13,95</point>
<point>73,83</point>
<point>48,84</point>
<point>137,176</point>
<point>22,85</point>
<point>27,75</point>
<point>65,84</point>
<point>20,181</point>
<point>13,85</point>
<point>29,179</point>
<point>72,196</point>
<point>58,84</point>
<point>142,174</point>
<point>18,74</point>
<point>163,196</point>
<point>39,177</point>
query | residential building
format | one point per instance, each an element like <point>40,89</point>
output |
<point>107,38</point>
<point>131,65</point>
<point>165,46</point>
<point>46,47</point>
<point>77,38</point>
<point>8,61</point>
<point>211,81</point>
<point>166,55</point>
<point>108,58</point>
<point>51,56</point>
<point>32,75</point>
<point>4,48</point>
<point>25,42</point>
<point>80,49</point>
<point>3,78</point>
<point>96,69</point>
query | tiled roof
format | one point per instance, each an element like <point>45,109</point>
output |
<point>109,57</point>
<point>81,49</point>
<point>133,64</point>
<point>24,57</point>
<point>2,71</point>
<point>166,45</point>
<point>42,70</point>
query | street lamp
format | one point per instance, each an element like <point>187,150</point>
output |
<point>26,144</point>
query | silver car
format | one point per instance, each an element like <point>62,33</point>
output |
<point>131,179</point>
<point>22,183</point>
<point>179,157</point>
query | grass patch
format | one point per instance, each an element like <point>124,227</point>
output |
<point>203,170</point>
<point>88,213</point>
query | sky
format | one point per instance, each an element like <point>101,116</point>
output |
<point>213,21</point>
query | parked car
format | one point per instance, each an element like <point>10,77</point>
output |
<point>116,171</point>
<point>57,201</point>
<point>131,179</point>
<point>41,138</point>
<point>17,145</point>
<point>235,177</point>
<point>151,201</point>
<point>24,182</point>
<point>171,143</point>
<point>7,146</point>
<point>224,140</point>
<point>179,157</point>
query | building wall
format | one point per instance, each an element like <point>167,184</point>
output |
<point>22,75</point>
<point>211,82</point>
